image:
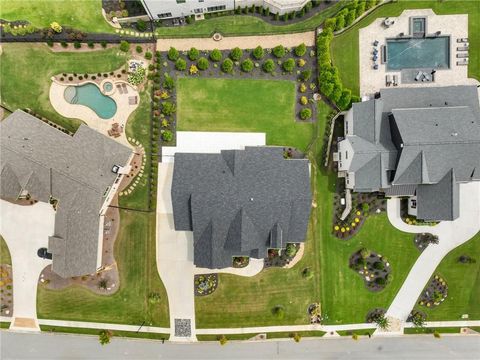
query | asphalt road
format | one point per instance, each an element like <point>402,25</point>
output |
<point>56,346</point>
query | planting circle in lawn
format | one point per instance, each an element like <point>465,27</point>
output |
<point>90,95</point>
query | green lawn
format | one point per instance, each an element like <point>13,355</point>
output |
<point>135,255</point>
<point>4,253</point>
<point>116,333</point>
<point>245,25</point>
<point>344,47</point>
<point>242,105</point>
<point>85,15</point>
<point>26,69</point>
<point>463,285</point>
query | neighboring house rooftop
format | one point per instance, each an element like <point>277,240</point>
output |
<point>75,170</point>
<point>417,140</point>
<point>240,202</point>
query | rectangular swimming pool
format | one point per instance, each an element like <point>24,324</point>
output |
<point>418,53</point>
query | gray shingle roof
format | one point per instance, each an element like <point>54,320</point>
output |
<point>419,135</point>
<point>75,170</point>
<point>240,202</point>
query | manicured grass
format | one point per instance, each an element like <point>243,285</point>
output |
<point>242,105</point>
<point>245,25</point>
<point>4,325</point>
<point>4,252</point>
<point>345,50</point>
<point>270,335</point>
<point>463,282</point>
<point>116,333</point>
<point>359,332</point>
<point>444,330</point>
<point>135,255</point>
<point>26,69</point>
<point>83,15</point>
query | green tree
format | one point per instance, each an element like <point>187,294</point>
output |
<point>361,8</point>
<point>258,53</point>
<point>139,49</point>
<point>141,25</point>
<point>269,66</point>
<point>180,64</point>
<point>236,54</point>
<point>369,4</point>
<point>148,55</point>
<point>193,54</point>
<point>104,336</point>
<point>227,66</point>
<point>343,103</point>
<point>279,51</point>
<point>288,65</point>
<point>203,63</point>
<point>382,321</point>
<point>326,88</point>
<point>124,46</point>
<point>340,22</point>
<point>305,114</point>
<point>300,50</point>
<point>247,65</point>
<point>173,54</point>
<point>330,23</point>
<point>350,17</point>
<point>215,55</point>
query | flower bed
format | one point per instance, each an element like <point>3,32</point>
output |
<point>205,284</point>
<point>240,261</point>
<point>314,311</point>
<point>372,267</point>
<point>422,240</point>
<point>374,314</point>
<point>281,258</point>
<point>435,292</point>
<point>6,290</point>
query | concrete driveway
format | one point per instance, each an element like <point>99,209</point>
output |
<point>25,230</point>
<point>450,234</point>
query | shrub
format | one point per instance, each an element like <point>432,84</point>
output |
<point>289,65</point>
<point>148,55</point>
<point>302,88</point>
<point>305,75</point>
<point>227,66</point>
<point>103,43</point>
<point>303,100</point>
<point>104,336</point>
<point>236,54</point>
<point>301,63</point>
<point>258,53</point>
<point>343,103</point>
<point>168,83</point>
<point>193,70</point>
<point>91,44</point>
<point>247,65</point>
<point>290,250</point>
<point>223,340</point>
<point>168,108</point>
<point>279,51</point>
<point>139,49</point>
<point>50,43</point>
<point>297,337</point>
<point>437,335</point>
<point>55,26</point>
<point>307,273</point>
<point>339,22</point>
<point>305,114</point>
<point>141,25</point>
<point>369,4</point>
<point>193,54</point>
<point>216,55</point>
<point>64,44</point>
<point>154,298</point>
<point>365,253</point>
<point>167,135</point>
<point>77,45</point>
<point>173,54</point>
<point>350,17</point>
<point>300,50</point>
<point>135,78</point>
<point>278,312</point>
<point>180,64</point>
<point>382,322</point>
<point>330,24</point>
<point>268,66</point>
<point>124,46</point>
<point>203,63</point>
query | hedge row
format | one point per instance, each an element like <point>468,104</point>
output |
<point>348,14</point>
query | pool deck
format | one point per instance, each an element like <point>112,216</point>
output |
<point>87,115</point>
<point>455,26</point>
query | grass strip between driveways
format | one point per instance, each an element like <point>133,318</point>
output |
<point>270,335</point>
<point>445,330</point>
<point>116,333</point>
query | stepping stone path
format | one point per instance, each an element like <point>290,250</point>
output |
<point>140,174</point>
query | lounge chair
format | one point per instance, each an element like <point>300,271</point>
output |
<point>119,88</point>
<point>125,89</point>
<point>388,80</point>
<point>462,55</point>
<point>395,80</point>
<point>462,48</point>
<point>375,66</point>
<point>418,76</point>
<point>464,62</point>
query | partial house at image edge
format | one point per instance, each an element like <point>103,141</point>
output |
<point>419,143</point>
<point>240,202</point>
<point>79,173</point>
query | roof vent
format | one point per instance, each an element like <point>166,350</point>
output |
<point>454,134</point>
<point>251,199</point>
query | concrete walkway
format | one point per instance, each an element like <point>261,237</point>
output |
<point>243,42</point>
<point>25,230</point>
<point>450,233</point>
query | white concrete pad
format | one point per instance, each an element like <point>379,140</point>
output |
<point>211,142</point>
<point>25,230</point>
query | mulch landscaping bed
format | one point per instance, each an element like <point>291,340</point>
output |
<point>372,267</point>
<point>205,284</point>
<point>435,292</point>
<point>421,241</point>
<point>276,258</point>
<point>240,262</point>
<point>373,314</point>
<point>6,290</point>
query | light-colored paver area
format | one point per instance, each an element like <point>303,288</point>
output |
<point>450,234</point>
<point>211,142</point>
<point>455,26</point>
<point>25,230</point>
<point>243,42</point>
<point>84,113</point>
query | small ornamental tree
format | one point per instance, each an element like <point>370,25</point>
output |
<point>247,65</point>
<point>173,54</point>
<point>350,17</point>
<point>180,64</point>
<point>382,321</point>
<point>193,54</point>
<point>279,51</point>
<point>258,53</point>
<point>305,114</point>
<point>55,26</point>
<point>343,103</point>
<point>104,336</point>
<point>141,25</point>
<point>340,22</point>
<point>227,66</point>
<point>203,63</point>
<point>216,55</point>
<point>124,46</point>
<point>269,66</point>
<point>236,54</point>
<point>300,50</point>
<point>289,65</point>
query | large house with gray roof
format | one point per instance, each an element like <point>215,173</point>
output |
<point>79,174</point>
<point>419,143</point>
<point>240,202</point>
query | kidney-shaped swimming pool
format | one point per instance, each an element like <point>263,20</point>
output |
<point>90,95</point>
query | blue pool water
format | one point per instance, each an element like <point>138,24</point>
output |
<point>418,53</point>
<point>89,95</point>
